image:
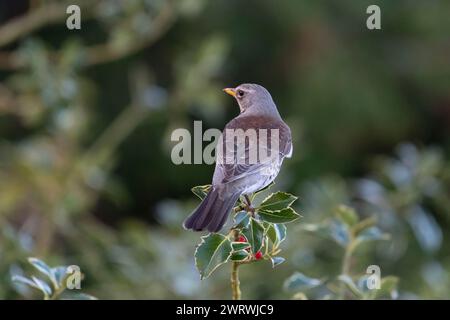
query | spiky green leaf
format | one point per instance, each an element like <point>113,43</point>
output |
<point>214,250</point>
<point>277,201</point>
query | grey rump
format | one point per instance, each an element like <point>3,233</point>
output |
<point>231,180</point>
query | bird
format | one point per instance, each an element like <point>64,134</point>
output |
<point>236,175</point>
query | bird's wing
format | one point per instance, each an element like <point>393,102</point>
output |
<point>241,164</point>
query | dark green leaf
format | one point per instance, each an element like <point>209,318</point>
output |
<point>299,282</point>
<point>279,216</point>
<point>271,233</point>
<point>277,261</point>
<point>240,245</point>
<point>276,233</point>
<point>239,255</point>
<point>277,201</point>
<point>201,191</point>
<point>254,234</point>
<point>214,250</point>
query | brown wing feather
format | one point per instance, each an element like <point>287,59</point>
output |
<point>226,172</point>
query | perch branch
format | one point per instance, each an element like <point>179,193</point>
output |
<point>235,283</point>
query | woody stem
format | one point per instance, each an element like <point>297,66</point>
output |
<point>247,199</point>
<point>235,283</point>
<point>249,207</point>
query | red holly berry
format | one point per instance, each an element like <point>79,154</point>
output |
<point>242,239</point>
<point>258,255</point>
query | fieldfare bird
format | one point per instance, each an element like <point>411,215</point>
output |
<point>262,141</point>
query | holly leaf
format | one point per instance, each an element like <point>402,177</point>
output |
<point>339,232</point>
<point>277,201</point>
<point>24,280</point>
<point>299,282</point>
<point>43,286</point>
<point>254,234</point>
<point>45,269</point>
<point>60,275</point>
<point>241,219</point>
<point>277,261</point>
<point>240,245</point>
<point>214,250</point>
<point>201,191</point>
<point>276,233</point>
<point>279,216</point>
<point>239,255</point>
<point>41,266</point>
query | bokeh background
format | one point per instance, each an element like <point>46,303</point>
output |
<point>86,116</point>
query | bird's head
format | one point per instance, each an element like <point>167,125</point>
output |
<point>249,95</point>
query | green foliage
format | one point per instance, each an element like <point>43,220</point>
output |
<point>276,208</point>
<point>86,118</point>
<point>278,216</point>
<point>276,233</point>
<point>213,251</point>
<point>299,282</point>
<point>277,201</point>
<point>56,288</point>
<point>350,232</point>
<point>256,234</point>
<point>241,219</point>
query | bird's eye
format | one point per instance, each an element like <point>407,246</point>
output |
<point>240,93</point>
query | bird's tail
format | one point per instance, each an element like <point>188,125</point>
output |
<point>212,213</point>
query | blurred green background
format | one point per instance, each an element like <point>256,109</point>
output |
<point>86,116</point>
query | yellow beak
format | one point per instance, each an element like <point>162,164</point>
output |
<point>230,91</point>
